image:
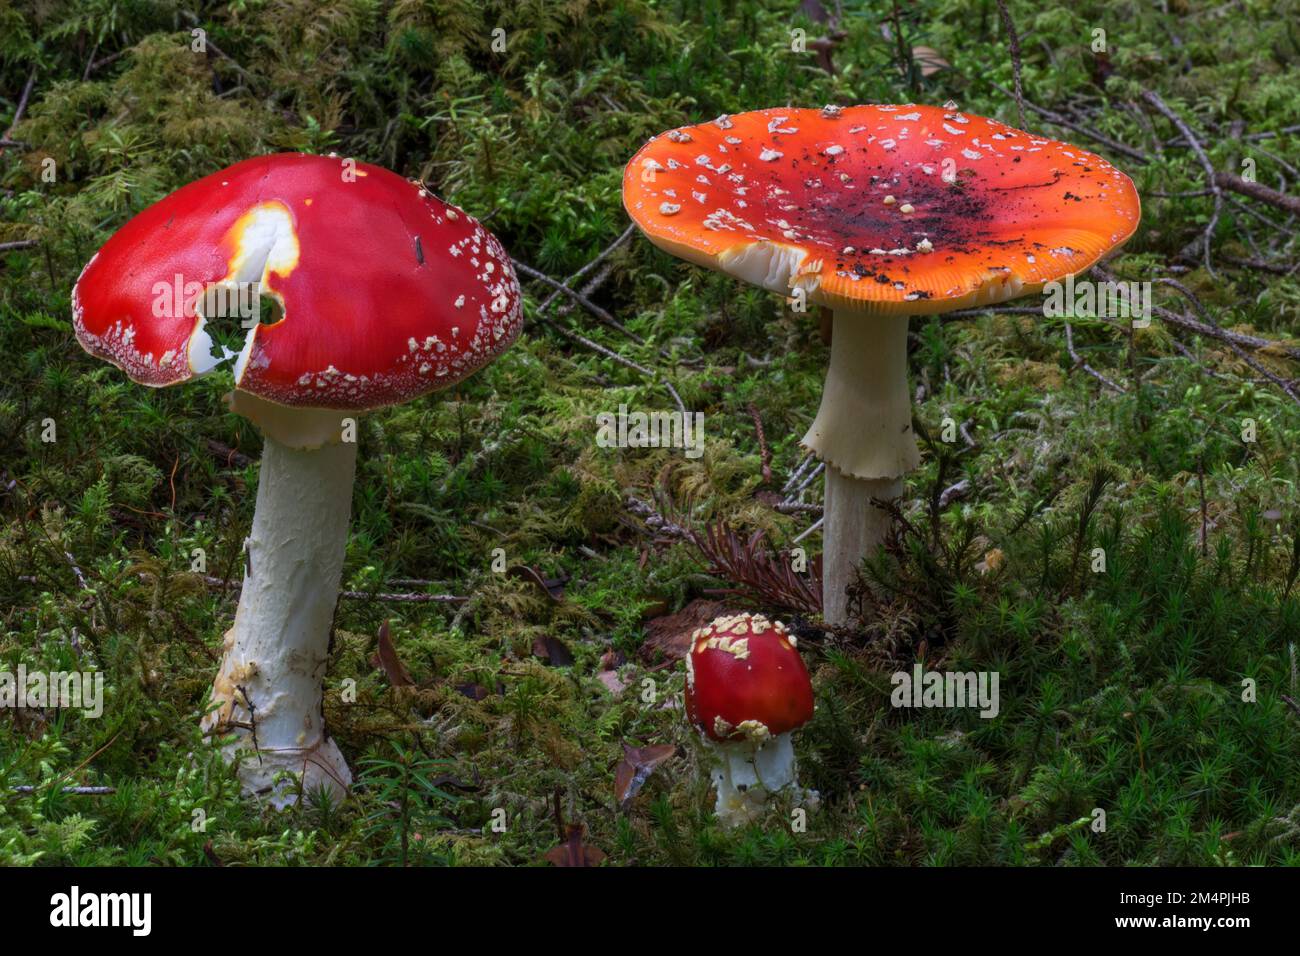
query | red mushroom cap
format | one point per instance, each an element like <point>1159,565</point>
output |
<point>745,680</point>
<point>879,209</point>
<point>387,292</point>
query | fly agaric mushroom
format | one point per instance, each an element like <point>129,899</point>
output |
<point>383,293</point>
<point>747,690</point>
<point>878,213</point>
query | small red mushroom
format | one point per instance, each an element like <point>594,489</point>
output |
<point>878,213</point>
<point>382,292</point>
<point>747,691</point>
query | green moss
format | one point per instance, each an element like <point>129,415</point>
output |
<point>1121,690</point>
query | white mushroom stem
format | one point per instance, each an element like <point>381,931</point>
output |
<point>853,528</point>
<point>269,686</point>
<point>746,772</point>
<point>863,431</point>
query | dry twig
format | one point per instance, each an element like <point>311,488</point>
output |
<point>1013,37</point>
<point>1257,191</point>
<point>1211,180</point>
<point>765,453</point>
<point>396,598</point>
<point>1080,363</point>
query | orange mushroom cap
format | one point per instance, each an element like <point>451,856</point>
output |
<point>902,210</point>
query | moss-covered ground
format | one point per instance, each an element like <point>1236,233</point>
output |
<point>1121,690</point>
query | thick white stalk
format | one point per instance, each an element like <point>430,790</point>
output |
<point>745,773</point>
<point>275,653</point>
<point>863,431</point>
<point>852,528</point>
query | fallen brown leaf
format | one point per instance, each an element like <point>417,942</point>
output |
<point>670,635</point>
<point>472,691</point>
<point>552,650</point>
<point>573,851</point>
<point>993,559</point>
<point>387,660</point>
<point>635,768</point>
<point>553,588</point>
<point>928,60</point>
<point>654,609</point>
<point>613,683</point>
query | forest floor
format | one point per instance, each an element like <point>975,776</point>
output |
<point>1160,689</point>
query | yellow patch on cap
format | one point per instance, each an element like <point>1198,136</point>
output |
<point>265,241</point>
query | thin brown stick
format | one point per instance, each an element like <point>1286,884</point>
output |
<point>1080,363</point>
<point>562,289</point>
<point>209,45</point>
<point>82,766</point>
<point>1205,514</point>
<point>1013,37</point>
<point>412,598</point>
<point>1207,237</point>
<point>904,60</point>
<point>1270,134</point>
<point>1057,119</point>
<point>18,113</point>
<point>231,456</point>
<point>399,598</point>
<point>604,254</point>
<point>1258,191</point>
<point>765,453</point>
<point>1277,380</point>
<point>615,357</point>
<point>992,310</point>
<point>1212,331</point>
<point>103,61</point>
<point>1278,268</point>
